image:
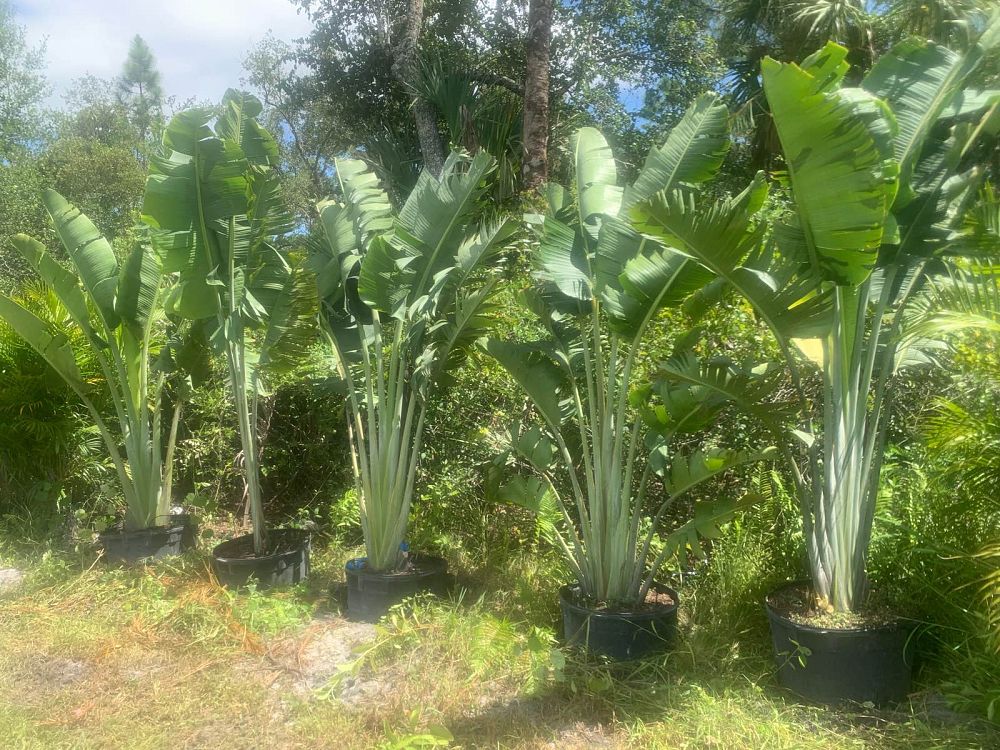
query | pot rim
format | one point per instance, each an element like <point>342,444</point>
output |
<point>899,623</point>
<point>148,531</point>
<point>305,538</point>
<point>661,610</point>
<point>438,565</point>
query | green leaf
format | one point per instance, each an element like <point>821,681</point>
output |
<point>598,193</point>
<point>403,266</point>
<point>692,154</point>
<point>51,345</point>
<point>636,276</point>
<point>837,148</point>
<point>138,286</point>
<point>750,390</point>
<point>291,323</point>
<point>90,252</point>
<point>535,495</point>
<point>65,285</point>
<point>723,237</point>
<point>367,202</point>
<point>921,81</point>
<point>534,446</point>
<point>237,123</point>
<point>688,471</point>
<point>709,518</point>
<point>536,372</point>
<point>561,266</point>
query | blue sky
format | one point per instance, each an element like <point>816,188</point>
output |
<point>199,44</point>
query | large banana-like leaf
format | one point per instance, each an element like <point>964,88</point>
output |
<point>139,285</point>
<point>598,193</point>
<point>562,267</point>
<point>720,234</point>
<point>364,197</point>
<point>541,378</point>
<point>456,331</point>
<point>349,230</point>
<point>52,346</point>
<point>723,237</point>
<point>636,276</point>
<point>291,322</point>
<point>691,155</point>
<point>921,80</point>
<point>334,257</point>
<point>65,285</point>
<point>837,145</point>
<point>401,267</point>
<point>90,252</point>
<point>203,214</point>
<point>237,122</point>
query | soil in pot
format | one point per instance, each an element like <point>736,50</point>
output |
<point>620,634</point>
<point>285,560</point>
<point>130,547</point>
<point>371,593</point>
<point>831,658</point>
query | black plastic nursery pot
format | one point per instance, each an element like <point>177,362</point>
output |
<point>286,560</point>
<point>131,547</point>
<point>832,666</point>
<point>619,635</point>
<point>371,593</point>
<point>189,529</point>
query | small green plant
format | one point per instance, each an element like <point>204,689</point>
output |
<point>416,736</point>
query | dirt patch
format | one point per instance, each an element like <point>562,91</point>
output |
<point>321,652</point>
<point>583,736</point>
<point>57,672</point>
<point>10,579</point>
<point>153,662</point>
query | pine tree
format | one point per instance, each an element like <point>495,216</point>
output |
<point>139,88</point>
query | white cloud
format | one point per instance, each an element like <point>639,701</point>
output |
<point>199,44</point>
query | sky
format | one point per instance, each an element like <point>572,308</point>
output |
<point>199,44</point>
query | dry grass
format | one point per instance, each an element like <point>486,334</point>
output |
<point>164,658</point>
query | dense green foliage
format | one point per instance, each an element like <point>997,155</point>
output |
<point>877,158</point>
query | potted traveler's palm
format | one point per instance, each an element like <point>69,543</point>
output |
<point>215,214</point>
<point>605,449</point>
<point>118,309</point>
<point>875,175</point>
<point>402,297</point>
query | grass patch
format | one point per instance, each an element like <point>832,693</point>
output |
<point>161,657</point>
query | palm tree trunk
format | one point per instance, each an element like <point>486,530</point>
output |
<point>405,69</point>
<point>534,168</point>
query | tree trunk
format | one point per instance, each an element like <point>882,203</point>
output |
<point>535,166</point>
<point>404,68</point>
